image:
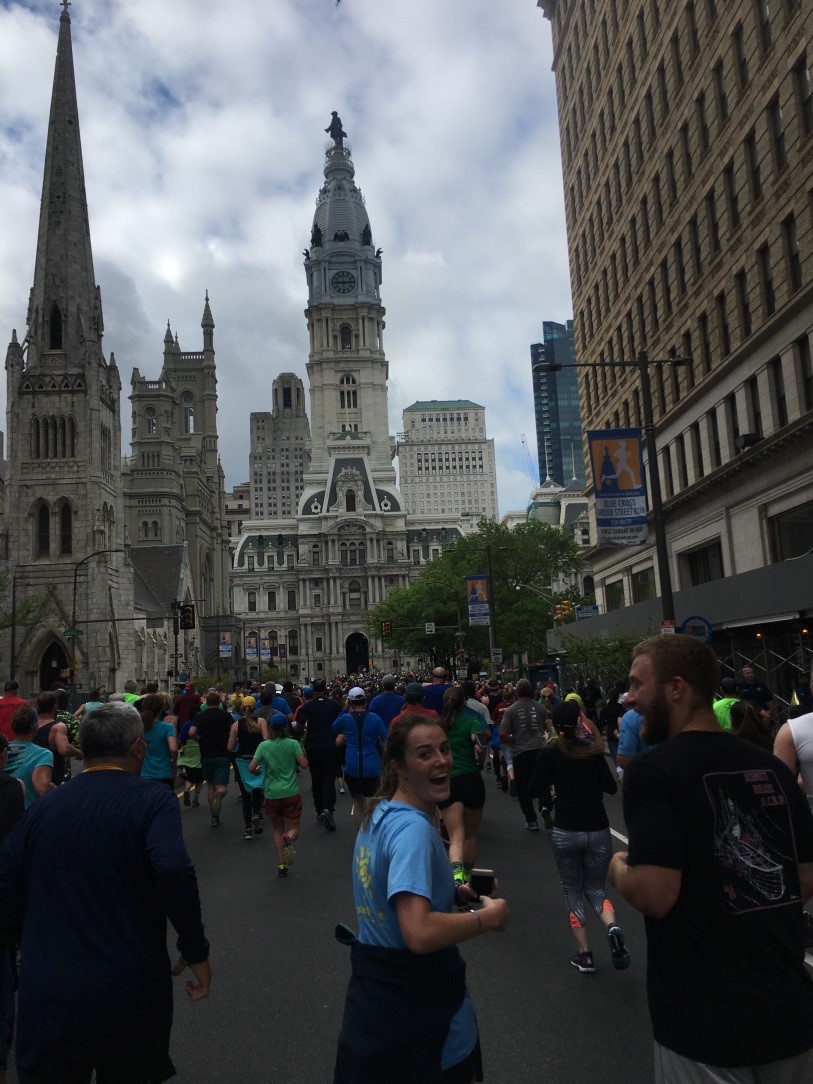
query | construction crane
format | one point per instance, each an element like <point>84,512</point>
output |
<point>529,463</point>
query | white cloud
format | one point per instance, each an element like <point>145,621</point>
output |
<point>202,137</point>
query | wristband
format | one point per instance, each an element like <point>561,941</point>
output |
<point>479,920</point>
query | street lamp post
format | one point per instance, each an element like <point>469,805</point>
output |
<point>642,363</point>
<point>74,634</point>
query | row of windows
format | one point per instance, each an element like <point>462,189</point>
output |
<point>454,462</point>
<point>53,437</point>
<point>670,283</point>
<point>54,529</point>
<point>271,641</point>
<point>150,427</point>
<point>665,192</point>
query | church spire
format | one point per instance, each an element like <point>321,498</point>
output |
<point>65,310</point>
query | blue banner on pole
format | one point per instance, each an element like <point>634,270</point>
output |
<point>477,593</point>
<point>225,646</point>
<point>620,487</point>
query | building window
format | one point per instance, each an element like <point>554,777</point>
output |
<point>805,364</point>
<point>291,597</point>
<point>711,218</point>
<point>697,252</point>
<point>778,390</point>
<point>691,26</point>
<point>720,94</point>
<point>272,600</point>
<point>293,643</point>
<point>318,643</point>
<point>348,393</point>
<point>55,328</point>
<point>683,467</point>
<point>791,532</point>
<point>614,595</point>
<point>766,279</point>
<point>741,280</point>
<point>792,256</point>
<point>723,329</point>
<point>702,122</point>
<point>732,199</point>
<point>251,603</point>
<point>346,337</point>
<point>776,124</point>
<point>705,341</point>
<point>753,405</point>
<point>685,150</point>
<point>65,529</point>
<point>677,63</point>
<point>354,595</point>
<point>643,585</point>
<point>752,162</point>
<point>804,95</point>
<point>716,457</point>
<point>666,472</point>
<point>43,531</point>
<point>740,56</point>
<point>150,422</point>
<point>764,23</point>
<point>188,412</point>
<point>701,565</point>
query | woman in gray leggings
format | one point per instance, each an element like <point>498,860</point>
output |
<point>576,767</point>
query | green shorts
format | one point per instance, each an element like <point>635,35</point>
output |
<point>216,770</point>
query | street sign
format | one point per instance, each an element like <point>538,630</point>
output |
<point>699,627</point>
<point>583,612</point>
<point>429,628</point>
<point>667,628</point>
<point>496,655</point>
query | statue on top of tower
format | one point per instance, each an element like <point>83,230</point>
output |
<point>335,130</point>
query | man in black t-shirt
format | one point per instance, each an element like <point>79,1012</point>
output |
<point>754,692</point>
<point>317,714</point>
<point>211,729</point>
<point>720,863</point>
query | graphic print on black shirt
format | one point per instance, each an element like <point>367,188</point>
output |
<point>751,820</point>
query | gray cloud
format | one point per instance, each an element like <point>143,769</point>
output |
<point>202,135</point>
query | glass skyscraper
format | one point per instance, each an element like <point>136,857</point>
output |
<point>556,406</point>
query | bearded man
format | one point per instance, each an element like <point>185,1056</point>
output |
<point>720,863</point>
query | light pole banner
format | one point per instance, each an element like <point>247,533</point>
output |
<point>265,649</point>
<point>620,486</point>
<point>477,594</point>
<point>251,647</point>
<point>225,643</point>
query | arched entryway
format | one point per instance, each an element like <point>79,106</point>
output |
<point>55,666</point>
<point>357,652</point>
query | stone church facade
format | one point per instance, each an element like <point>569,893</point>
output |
<point>81,591</point>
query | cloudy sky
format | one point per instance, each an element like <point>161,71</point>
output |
<point>202,131</point>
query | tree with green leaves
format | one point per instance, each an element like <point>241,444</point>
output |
<point>524,561</point>
<point>606,659</point>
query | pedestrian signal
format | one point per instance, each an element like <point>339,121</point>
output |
<point>187,617</point>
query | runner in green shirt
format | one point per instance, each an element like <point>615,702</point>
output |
<point>279,757</point>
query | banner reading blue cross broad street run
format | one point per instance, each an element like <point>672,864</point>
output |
<point>477,594</point>
<point>620,486</point>
<point>251,647</point>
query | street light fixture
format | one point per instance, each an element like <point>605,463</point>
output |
<point>73,632</point>
<point>642,363</point>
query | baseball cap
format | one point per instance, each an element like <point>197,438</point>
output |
<point>357,693</point>
<point>278,721</point>
<point>414,689</point>
<point>307,691</point>
<point>728,685</point>
<point>249,702</point>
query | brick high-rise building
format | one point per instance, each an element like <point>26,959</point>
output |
<point>687,151</point>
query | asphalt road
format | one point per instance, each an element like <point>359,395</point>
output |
<point>279,976</point>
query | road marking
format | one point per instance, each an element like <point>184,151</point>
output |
<point>619,836</point>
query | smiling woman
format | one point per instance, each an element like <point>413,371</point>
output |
<point>408,1016</point>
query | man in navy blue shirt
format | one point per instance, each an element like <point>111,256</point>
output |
<point>388,703</point>
<point>95,993</point>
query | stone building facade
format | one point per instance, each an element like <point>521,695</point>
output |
<point>687,150</point>
<point>303,585</point>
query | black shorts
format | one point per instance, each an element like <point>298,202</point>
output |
<point>361,787</point>
<point>468,789</point>
<point>192,775</point>
<point>140,1063</point>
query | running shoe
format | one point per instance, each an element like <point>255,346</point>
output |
<point>215,821</point>
<point>583,961</point>
<point>547,818</point>
<point>248,834</point>
<point>282,871</point>
<point>288,852</point>
<point>621,958</point>
<point>257,824</point>
<point>328,821</point>
<point>186,799</point>
<point>531,826</point>
<point>341,788</point>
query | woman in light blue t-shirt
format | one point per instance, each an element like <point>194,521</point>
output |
<point>161,757</point>
<point>408,1015</point>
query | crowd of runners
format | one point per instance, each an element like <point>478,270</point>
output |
<point>417,757</point>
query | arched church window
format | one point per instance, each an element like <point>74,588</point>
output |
<point>348,395</point>
<point>350,500</point>
<point>44,431</point>
<point>346,336</point>
<point>188,412</point>
<point>150,422</point>
<point>35,438</point>
<point>53,437</point>
<point>71,437</point>
<point>156,530</point>
<point>65,529</point>
<point>43,531</point>
<point>55,328</point>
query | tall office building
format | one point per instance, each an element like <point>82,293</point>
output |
<point>280,451</point>
<point>447,464</point>
<point>687,150</point>
<point>556,406</point>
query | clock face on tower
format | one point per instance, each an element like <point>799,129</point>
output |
<point>343,282</point>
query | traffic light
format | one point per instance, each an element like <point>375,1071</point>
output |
<point>386,628</point>
<point>187,616</point>
<point>568,607</point>
<point>564,610</point>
